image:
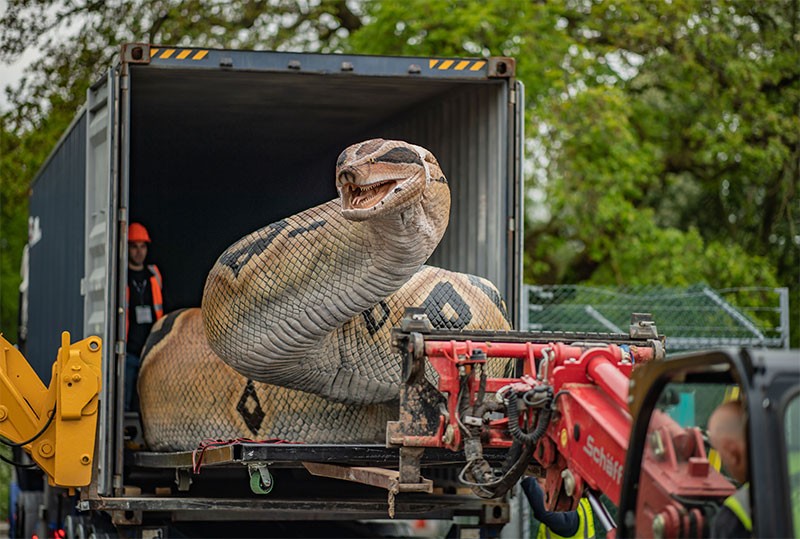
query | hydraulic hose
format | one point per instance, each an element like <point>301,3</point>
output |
<point>541,426</point>
<point>519,455</point>
<point>9,443</point>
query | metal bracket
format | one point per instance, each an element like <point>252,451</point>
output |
<point>135,53</point>
<point>126,518</point>
<point>502,67</point>
<point>415,319</point>
<point>643,326</point>
<point>495,512</point>
<point>391,480</point>
<point>409,464</point>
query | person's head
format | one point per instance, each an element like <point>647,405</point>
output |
<point>138,238</point>
<point>726,433</point>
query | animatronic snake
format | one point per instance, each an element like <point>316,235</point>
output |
<point>302,311</point>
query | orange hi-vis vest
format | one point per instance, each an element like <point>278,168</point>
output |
<point>158,299</point>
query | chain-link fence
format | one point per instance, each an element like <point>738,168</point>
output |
<point>691,318</point>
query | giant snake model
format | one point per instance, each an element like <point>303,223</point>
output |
<point>300,313</point>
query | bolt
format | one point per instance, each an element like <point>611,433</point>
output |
<point>658,526</point>
<point>448,435</point>
<point>85,459</point>
<point>76,377</point>
<point>46,449</point>
<point>569,482</point>
<point>3,413</point>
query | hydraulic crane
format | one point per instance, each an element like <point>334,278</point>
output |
<point>55,425</point>
<point>564,411</point>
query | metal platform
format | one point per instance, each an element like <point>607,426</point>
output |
<point>293,455</point>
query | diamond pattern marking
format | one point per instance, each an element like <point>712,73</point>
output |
<point>249,407</point>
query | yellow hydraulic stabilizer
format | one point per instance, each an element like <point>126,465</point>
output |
<point>57,425</point>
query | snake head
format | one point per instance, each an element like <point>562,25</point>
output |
<point>380,177</point>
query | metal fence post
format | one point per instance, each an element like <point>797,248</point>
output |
<point>783,294</point>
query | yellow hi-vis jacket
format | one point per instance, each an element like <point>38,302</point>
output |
<point>739,503</point>
<point>585,526</point>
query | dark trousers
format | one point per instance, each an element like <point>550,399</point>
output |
<point>132,364</point>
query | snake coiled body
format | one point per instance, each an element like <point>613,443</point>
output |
<point>300,313</point>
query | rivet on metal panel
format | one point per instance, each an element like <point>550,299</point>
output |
<point>294,64</point>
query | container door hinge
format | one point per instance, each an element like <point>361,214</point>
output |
<point>512,224</point>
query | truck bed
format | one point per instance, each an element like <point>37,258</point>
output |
<point>213,483</point>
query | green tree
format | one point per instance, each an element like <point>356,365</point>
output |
<point>664,138</point>
<point>78,40</point>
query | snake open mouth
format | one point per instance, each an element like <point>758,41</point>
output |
<point>356,197</point>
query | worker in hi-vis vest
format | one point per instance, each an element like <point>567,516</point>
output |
<point>144,304</point>
<point>559,524</point>
<point>727,435</point>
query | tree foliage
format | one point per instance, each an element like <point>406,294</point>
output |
<point>663,137</point>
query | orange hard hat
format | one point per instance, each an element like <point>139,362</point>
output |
<point>137,232</point>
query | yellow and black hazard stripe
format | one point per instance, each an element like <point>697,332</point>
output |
<point>456,65</point>
<point>178,54</point>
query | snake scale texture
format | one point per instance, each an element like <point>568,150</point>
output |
<point>293,338</point>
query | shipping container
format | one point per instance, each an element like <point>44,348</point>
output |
<point>204,146</point>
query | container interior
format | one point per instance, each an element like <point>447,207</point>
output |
<point>217,154</point>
